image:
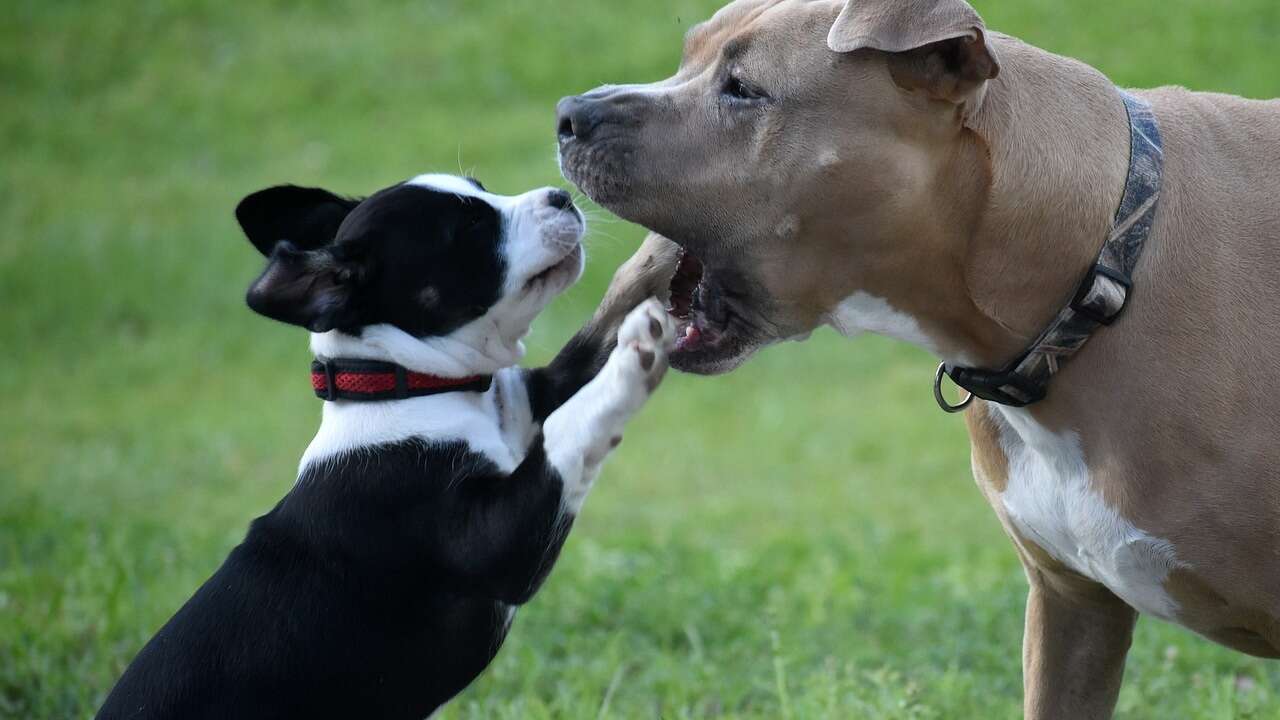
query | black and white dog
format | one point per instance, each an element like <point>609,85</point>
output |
<point>444,479</point>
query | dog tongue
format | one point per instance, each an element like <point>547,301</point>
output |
<point>692,336</point>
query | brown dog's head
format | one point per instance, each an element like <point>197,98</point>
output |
<point>797,158</point>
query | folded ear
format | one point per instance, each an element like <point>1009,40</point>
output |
<point>938,46</point>
<point>307,217</point>
<point>311,288</point>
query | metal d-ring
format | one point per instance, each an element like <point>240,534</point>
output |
<point>942,401</point>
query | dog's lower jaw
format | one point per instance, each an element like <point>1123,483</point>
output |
<point>694,364</point>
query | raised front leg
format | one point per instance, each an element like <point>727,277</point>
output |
<point>581,433</point>
<point>1073,651</point>
<point>647,274</point>
<point>502,533</point>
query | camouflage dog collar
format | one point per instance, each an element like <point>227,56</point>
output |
<point>1103,293</point>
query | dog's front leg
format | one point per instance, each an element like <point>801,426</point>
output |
<point>580,434</point>
<point>502,533</point>
<point>1073,651</point>
<point>647,274</point>
<point>573,367</point>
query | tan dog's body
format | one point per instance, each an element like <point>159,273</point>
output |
<point>951,187</point>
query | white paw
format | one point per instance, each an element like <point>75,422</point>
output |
<point>645,338</point>
<point>582,433</point>
<point>632,373</point>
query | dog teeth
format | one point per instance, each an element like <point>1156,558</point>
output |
<point>692,336</point>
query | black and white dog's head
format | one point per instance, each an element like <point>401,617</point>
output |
<point>435,273</point>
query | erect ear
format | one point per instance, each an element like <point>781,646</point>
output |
<point>307,217</point>
<point>938,46</point>
<point>312,288</point>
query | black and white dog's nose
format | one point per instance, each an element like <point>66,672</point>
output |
<point>559,199</point>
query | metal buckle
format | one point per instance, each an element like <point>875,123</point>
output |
<point>1087,285</point>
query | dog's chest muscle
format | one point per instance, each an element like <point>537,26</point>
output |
<point>1049,501</point>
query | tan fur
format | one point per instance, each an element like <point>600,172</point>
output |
<point>1077,632</point>
<point>905,28</point>
<point>977,214</point>
<point>901,25</point>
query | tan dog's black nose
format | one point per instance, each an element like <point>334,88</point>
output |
<point>576,117</point>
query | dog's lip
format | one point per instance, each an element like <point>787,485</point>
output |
<point>591,164</point>
<point>571,258</point>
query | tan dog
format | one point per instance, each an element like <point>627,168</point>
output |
<point>892,166</point>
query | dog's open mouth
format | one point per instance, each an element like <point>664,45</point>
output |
<point>719,322</point>
<point>702,318</point>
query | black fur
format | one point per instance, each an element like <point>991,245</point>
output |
<point>307,217</point>
<point>382,584</point>
<point>380,259</point>
<point>379,590</point>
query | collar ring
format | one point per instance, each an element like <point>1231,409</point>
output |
<point>942,400</point>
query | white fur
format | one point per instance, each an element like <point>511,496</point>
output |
<point>455,185</point>
<point>475,348</point>
<point>1050,500</point>
<point>483,420</point>
<point>862,312</point>
<point>580,434</point>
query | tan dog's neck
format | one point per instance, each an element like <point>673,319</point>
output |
<point>1058,142</point>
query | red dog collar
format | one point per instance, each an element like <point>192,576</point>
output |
<point>369,380</point>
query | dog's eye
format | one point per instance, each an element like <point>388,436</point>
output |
<point>739,89</point>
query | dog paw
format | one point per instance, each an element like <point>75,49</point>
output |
<point>633,372</point>
<point>645,339</point>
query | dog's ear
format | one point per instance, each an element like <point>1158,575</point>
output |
<point>307,217</point>
<point>938,46</point>
<point>312,288</point>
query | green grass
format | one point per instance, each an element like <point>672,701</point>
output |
<point>799,540</point>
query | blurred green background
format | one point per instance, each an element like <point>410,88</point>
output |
<point>801,539</point>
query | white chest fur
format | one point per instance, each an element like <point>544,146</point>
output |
<point>496,424</point>
<point>861,312</point>
<point>1050,502</point>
